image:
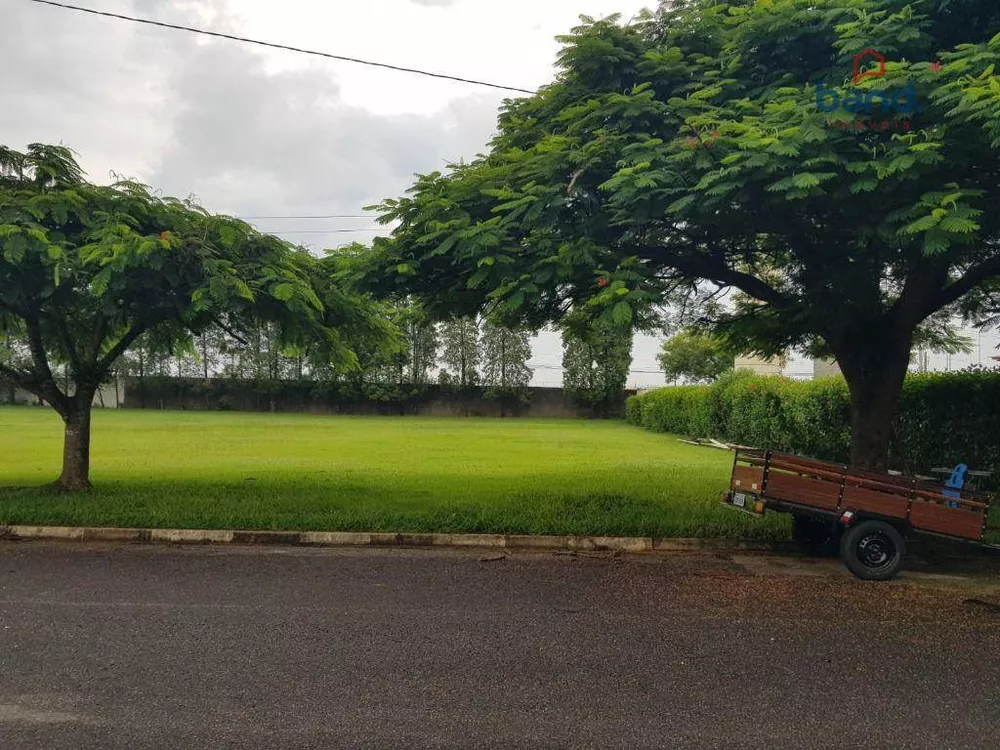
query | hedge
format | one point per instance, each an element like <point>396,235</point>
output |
<point>944,419</point>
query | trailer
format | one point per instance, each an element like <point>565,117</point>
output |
<point>865,517</point>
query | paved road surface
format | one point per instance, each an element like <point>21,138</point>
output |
<point>156,647</point>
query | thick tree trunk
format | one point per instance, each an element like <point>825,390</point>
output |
<point>875,369</point>
<point>873,411</point>
<point>76,446</point>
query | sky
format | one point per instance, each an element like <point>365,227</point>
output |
<point>256,132</point>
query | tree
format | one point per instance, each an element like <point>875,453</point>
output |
<point>13,355</point>
<point>506,352</point>
<point>86,270</point>
<point>695,357</point>
<point>724,146</point>
<point>420,340</point>
<point>596,363</point>
<point>460,340</point>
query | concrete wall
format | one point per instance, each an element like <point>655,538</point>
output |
<point>110,396</point>
<point>432,400</point>
<point>825,368</point>
<point>799,369</point>
<point>759,365</point>
<point>20,396</point>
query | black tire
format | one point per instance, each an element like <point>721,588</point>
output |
<point>816,537</point>
<point>873,550</point>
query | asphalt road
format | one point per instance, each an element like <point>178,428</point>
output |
<point>157,647</point>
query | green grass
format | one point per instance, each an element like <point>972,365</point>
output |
<point>263,471</point>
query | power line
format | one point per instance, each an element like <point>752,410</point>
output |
<point>317,231</point>
<point>557,367</point>
<point>326,216</point>
<point>286,47</point>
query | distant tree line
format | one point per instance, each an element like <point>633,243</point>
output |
<point>458,353</point>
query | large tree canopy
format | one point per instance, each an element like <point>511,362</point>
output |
<point>85,270</point>
<point>712,145</point>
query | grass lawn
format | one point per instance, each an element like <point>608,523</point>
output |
<point>264,471</point>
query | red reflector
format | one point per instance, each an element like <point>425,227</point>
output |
<point>847,517</point>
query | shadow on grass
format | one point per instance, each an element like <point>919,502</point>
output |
<point>45,490</point>
<point>550,507</point>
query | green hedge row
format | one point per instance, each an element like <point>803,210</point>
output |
<point>944,418</point>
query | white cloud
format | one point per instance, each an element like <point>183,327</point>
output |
<point>265,132</point>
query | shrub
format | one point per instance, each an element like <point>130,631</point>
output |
<point>756,412</point>
<point>944,418</point>
<point>681,409</point>
<point>821,413</point>
<point>947,418</point>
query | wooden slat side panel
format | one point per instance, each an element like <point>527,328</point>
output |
<point>810,462</point>
<point>927,516</point>
<point>938,497</point>
<point>877,481</point>
<point>803,490</point>
<point>747,478</point>
<point>883,503</point>
<point>812,470</point>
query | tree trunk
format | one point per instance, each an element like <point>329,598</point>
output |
<point>875,375</point>
<point>76,446</point>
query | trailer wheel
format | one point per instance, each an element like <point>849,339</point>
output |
<point>816,537</point>
<point>873,550</point>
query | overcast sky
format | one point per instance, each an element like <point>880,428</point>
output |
<point>257,132</point>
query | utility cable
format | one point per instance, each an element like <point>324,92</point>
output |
<point>273,45</point>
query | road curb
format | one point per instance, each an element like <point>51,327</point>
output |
<point>381,539</point>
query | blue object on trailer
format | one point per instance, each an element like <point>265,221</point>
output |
<point>953,487</point>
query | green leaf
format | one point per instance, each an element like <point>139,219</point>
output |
<point>935,242</point>
<point>680,204</point>
<point>243,291</point>
<point>621,314</point>
<point>478,277</point>
<point>921,225</point>
<point>284,292</point>
<point>958,225</point>
<point>806,180</point>
<point>99,284</point>
<point>866,185</point>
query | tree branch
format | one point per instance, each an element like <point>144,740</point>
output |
<point>17,377</point>
<point>104,364</point>
<point>230,331</point>
<point>99,330</point>
<point>67,342</point>
<point>14,310</point>
<point>47,387</point>
<point>712,269</point>
<point>713,266</point>
<point>972,278</point>
<point>918,292</point>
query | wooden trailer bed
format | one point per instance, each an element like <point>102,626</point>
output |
<point>785,482</point>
